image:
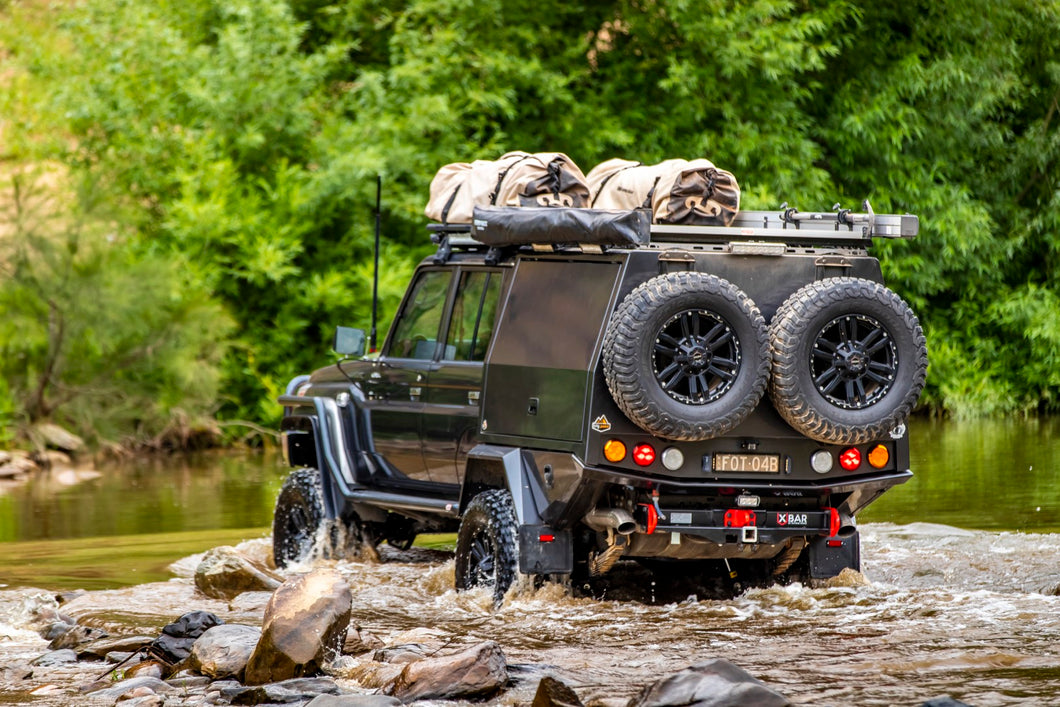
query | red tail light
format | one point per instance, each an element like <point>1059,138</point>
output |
<point>644,455</point>
<point>850,459</point>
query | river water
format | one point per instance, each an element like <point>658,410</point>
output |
<point>959,594</point>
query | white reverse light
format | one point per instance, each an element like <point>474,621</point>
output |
<point>821,461</point>
<point>672,458</point>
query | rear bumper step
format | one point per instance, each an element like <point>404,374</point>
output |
<point>752,526</point>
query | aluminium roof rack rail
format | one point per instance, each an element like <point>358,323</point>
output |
<point>791,225</point>
<point>761,232</point>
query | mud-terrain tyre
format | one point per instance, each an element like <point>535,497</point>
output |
<point>686,356</point>
<point>849,361</point>
<point>298,516</point>
<point>486,545</point>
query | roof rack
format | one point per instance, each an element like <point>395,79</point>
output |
<point>753,231</point>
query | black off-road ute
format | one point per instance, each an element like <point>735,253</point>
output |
<point>568,387</point>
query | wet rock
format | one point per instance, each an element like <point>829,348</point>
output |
<point>359,641</point>
<point>118,656</point>
<point>146,700</point>
<point>174,645</point>
<point>64,655</point>
<point>304,625</point>
<point>223,651</point>
<point>15,673</point>
<point>353,701</point>
<point>77,636</point>
<point>137,693</point>
<point>297,690</point>
<point>64,597</point>
<point>399,655</point>
<point>148,668</point>
<point>56,437</point>
<point>555,693</point>
<point>373,675</point>
<point>715,683</point>
<point>52,459</point>
<point>99,649</point>
<point>250,602</point>
<point>17,466</point>
<point>126,686</point>
<point>224,573</point>
<point>945,701</point>
<point>477,672</point>
<point>53,631</point>
<point>186,679</point>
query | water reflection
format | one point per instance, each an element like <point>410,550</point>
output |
<point>154,495</point>
<point>985,474</point>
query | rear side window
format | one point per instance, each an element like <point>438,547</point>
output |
<point>474,312</point>
<point>416,328</point>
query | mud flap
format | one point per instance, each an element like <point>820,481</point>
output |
<point>544,550</point>
<point>830,556</point>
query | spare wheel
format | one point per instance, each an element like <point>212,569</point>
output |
<point>849,360</point>
<point>686,356</point>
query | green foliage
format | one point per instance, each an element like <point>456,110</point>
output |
<point>97,336</point>
<point>240,141</point>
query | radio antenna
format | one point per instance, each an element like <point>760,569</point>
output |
<point>375,269</point>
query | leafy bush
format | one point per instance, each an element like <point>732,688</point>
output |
<point>238,142</point>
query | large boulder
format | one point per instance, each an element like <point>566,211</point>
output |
<point>223,651</point>
<point>716,683</point>
<point>224,573</point>
<point>477,672</point>
<point>303,629</point>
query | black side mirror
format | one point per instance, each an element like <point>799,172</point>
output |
<point>349,341</point>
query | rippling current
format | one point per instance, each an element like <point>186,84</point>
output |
<point>939,611</point>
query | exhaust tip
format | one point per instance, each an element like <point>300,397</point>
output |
<point>616,519</point>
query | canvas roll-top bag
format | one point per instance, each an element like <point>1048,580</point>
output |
<point>516,179</point>
<point>688,192</point>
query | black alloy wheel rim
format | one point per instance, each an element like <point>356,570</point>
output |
<point>482,569</point>
<point>696,357</point>
<point>854,361</point>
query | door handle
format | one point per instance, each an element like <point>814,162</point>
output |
<point>472,397</point>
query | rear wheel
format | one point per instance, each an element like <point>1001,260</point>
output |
<point>486,554</point>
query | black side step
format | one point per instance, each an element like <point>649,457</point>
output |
<point>398,501</point>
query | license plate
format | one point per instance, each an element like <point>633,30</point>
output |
<point>757,463</point>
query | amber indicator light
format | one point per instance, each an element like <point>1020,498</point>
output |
<point>879,456</point>
<point>614,451</point>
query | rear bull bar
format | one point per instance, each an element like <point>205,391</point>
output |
<point>738,525</point>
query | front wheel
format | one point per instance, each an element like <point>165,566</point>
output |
<point>298,517</point>
<point>486,554</point>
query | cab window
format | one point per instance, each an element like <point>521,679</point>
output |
<point>416,328</point>
<point>474,312</point>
